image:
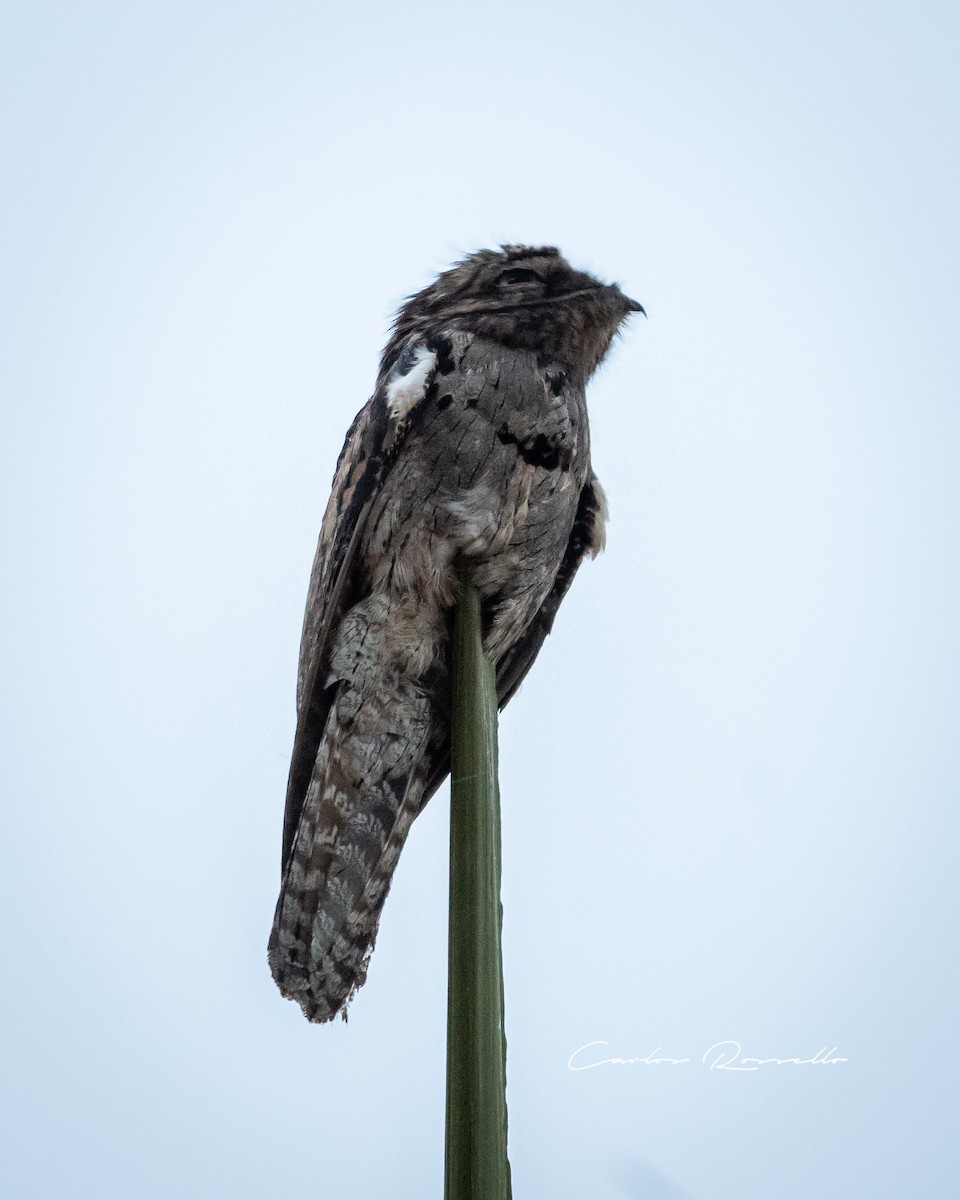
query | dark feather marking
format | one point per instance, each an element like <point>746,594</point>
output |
<point>538,451</point>
<point>407,360</point>
<point>443,348</point>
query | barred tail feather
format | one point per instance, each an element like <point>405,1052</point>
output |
<point>364,793</point>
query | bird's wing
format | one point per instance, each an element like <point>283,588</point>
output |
<point>586,538</point>
<point>337,582</point>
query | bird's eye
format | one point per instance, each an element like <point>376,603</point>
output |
<point>519,275</point>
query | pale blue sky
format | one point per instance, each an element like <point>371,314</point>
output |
<point>729,787</point>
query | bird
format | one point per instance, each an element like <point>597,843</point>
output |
<point>472,455</point>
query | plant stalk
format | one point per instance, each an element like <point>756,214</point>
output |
<point>476,1166</point>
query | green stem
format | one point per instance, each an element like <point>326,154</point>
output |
<point>476,1127</point>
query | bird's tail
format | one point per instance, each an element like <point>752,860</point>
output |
<point>366,789</point>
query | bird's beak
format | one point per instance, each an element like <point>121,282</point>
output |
<point>635,306</point>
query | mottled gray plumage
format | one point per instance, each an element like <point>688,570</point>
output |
<point>474,449</point>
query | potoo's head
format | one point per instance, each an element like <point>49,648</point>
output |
<point>525,297</point>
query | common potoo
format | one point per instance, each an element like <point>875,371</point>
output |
<point>473,452</point>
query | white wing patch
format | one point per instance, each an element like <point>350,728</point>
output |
<point>598,534</point>
<point>404,392</point>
